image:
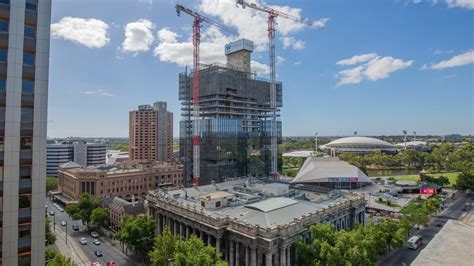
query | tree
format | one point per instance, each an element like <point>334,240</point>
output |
<point>53,258</point>
<point>83,209</point>
<point>50,237</point>
<point>465,180</point>
<point>137,233</point>
<point>169,249</point>
<point>51,183</point>
<point>100,217</point>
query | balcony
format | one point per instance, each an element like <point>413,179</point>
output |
<point>30,17</point>
<point>3,39</point>
<point>28,72</point>
<point>26,129</point>
<point>26,157</point>
<point>29,44</point>
<point>24,215</point>
<point>4,11</point>
<point>24,244</point>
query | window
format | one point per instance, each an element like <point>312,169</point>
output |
<point>30,31</point>
<point>5,2</point>
<point>2,143</point>
<point>3,55</point>
<point>28,58</point>
<point>3,84</point>
<point>218,204</point>
<point>26,114</point>
<point>25,172</point>
<point>31,5</point>
<point>24,202</point>
<point>26,143</point>
<point>3,25</point>
<point>27,86</point>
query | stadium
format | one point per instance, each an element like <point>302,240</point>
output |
<point>358,145</point>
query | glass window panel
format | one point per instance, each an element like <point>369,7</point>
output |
<point>3,25</point>
<point>27,86</point>
<point>26,114</point>
<point>26,143</point>
<point>3,84</point>
<point>3,55</point>
<point>24,201</point>
<point>25,172</point>
<point>28,58</point>
<point>30,31</point>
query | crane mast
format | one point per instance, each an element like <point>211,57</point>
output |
<point>198,19</point>
<point>272,14</point>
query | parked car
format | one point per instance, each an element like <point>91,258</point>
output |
<point>51,213</point>
<point>63,223</point>
<point>439,225</point>
<point>94,234</point>
<point>83,241</point>
<point>96,263</point>
<point>96,242</point>
<point>98,253</point>
<point>75,227</point>
<point>111,263</point>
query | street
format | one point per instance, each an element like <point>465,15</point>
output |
<point>84,256</point>
<point>405,256</point>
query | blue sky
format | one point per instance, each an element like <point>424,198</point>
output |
<point>377,67</point>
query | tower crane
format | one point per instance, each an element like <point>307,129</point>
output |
<point>272,14</point>
<point>198,19</point>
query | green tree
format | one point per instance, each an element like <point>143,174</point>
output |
<point>465,180</point>
<point>83,209</point>
<point>51,183</point>
<point>53,258</point>
<point>50,237</point>
<point>137,233</point>
<point>169,249</point>
<point>100,217</point>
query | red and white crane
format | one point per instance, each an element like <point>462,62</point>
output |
<point>198,19</point>
<point>272,14</point>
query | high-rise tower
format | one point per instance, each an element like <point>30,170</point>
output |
<point>24,62</point>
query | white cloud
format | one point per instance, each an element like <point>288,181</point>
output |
<point>89,32</point>
<point>293,43</point>
<point>99,92</point>
<point>469,4</point>
<point>248,18</point>
<point>377,68</point>
<point>280,60</point>
<point>438,51</point>
<point>148,2</point>
<point>171,50</point>
<point>321,23</point>
<point>356,59</point>
<point>458,60</point>
<point>138,36</point>
<point>297,63</point>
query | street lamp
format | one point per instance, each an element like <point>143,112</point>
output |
<point>316,144</point>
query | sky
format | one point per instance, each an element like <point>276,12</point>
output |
<point>376,67</point>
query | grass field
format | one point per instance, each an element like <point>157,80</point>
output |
<point>451,176</point>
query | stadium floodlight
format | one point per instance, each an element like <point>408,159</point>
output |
<point>315,143</point>
<point>355,133</point>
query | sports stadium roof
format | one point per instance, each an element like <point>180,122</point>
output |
<point>359,141</point>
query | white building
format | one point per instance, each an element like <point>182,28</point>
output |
<point>76,150</point>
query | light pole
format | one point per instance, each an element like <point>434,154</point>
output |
<point>405,138</point>
<point>316,144</point>
<point>66,232</point>
<point>54,221</point>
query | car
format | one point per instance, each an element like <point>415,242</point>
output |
<point>83,241</point>
<point>98,253</point>
<point>75,227</point>
<point>111,263</point>
<point>46,207</point>
<point>94,234</point>
<point>63,223</point>
<point>61,209</point>
<point>96,263</point>
<point>439,225</point>
<point>51,213</point>
<point>96,242</point>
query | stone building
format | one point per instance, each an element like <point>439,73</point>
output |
<point>119,208</point>
<point>123,180</point>
<point>253,223</point>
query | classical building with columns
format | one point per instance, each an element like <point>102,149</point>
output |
<point>252,222</point>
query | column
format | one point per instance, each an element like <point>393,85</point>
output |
<point>288,255</point>
<point>253,256</point>
<point>218,244</point>
<point>283,256</point>
<point>268,259</point>
<point>175,225</point>
<point>201,235</point>
<point>187,232</point>
<point>209,238</point>
<point>237,253</point>
<point>158,218</point>
<point>247,255</point>
<point>231,252</point>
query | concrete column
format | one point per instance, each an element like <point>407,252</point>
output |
<point>268,259</point>
<point>158,218</point>
<point>187,232</point>
<point>182,232</point>
<point>175,225</point>
<point>288,255</point>
<point>201,235</point>
<point>283,256</point>
<point>237,253</point>
<point>218,244</point>
<point>209,238</point>
<point>253,256</point>
<point>231,252</point>
<point>247,256</point>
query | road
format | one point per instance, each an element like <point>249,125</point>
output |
<point>110,250</point>
<point>405,256</point>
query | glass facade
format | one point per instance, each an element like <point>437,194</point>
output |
<point>235,125</point>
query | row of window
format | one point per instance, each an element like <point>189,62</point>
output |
<point>29,32</point>
<point>28,57</point>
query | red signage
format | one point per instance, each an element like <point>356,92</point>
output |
<point>427,190</point>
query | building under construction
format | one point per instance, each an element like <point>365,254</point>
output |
<point>235,119</point>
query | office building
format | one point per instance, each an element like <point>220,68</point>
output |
<point>235,119</point>
<point>252,222</point>
<point>24,62</point>
<point>151,133</point>
<point>124,180</point>
<point>120,208</point>
<point>75,150</point>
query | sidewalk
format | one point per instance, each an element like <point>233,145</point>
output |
<point>71,249</point>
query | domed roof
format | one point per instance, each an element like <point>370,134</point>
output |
<point>359,141</point>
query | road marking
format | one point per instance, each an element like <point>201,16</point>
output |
<point>75,253</point>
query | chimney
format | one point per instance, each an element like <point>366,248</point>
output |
<point>238,54</point>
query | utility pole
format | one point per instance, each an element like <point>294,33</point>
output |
<point>272,14</point>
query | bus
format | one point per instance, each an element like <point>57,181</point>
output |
<point>414,242</point>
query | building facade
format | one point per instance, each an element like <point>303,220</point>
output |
<point>75,150</point>
<point>252,223</point>
<point>151,133</point>
<point>235,119</point>
<point>24,62</point>
<point>122,180</point>
<point>119,208</point>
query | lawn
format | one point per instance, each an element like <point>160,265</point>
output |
<point>451,176</point>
